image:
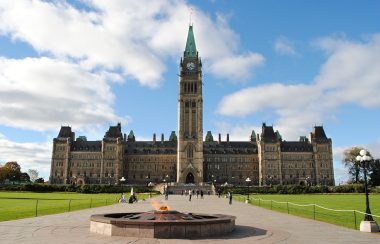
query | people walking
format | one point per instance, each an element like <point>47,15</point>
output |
<point>230,196</point>
<point>201,194</point>
<point>197,193</point>
<point>190,194</point>
<point>166,195</point>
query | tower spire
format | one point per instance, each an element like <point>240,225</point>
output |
<point>190,49</point>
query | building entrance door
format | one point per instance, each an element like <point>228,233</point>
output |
<point>189,178</point>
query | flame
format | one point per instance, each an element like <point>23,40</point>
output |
<point>159,206</point>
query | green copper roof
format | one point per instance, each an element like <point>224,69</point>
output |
<point>209,136</point>
<point>173,136</point>
<point>253,135</point>
<point>191,49</point>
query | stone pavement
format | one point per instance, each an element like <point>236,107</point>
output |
<point>253,225</point>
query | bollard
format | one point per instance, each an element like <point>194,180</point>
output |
<point>69,205</point>
<point>355,220</point>
<point>36,206</point>
<point>314,211</point>
<point>287,206</point>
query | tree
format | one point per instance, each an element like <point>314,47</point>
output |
<point>33,173</point>
<point>11,171</point>
<point>39,180</point>
<point>24,177</point>
<point>375,174</point>
<point>349,161</point>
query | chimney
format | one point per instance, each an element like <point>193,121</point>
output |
<point>219,138</point>
<point>228,137</point>
<point>154,137</point>
<point>162,137</point>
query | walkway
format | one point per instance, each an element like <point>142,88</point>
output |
<point>253,224</point>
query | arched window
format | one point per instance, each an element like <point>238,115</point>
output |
<point>190,151</point>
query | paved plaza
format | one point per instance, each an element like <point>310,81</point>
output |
<point>253,225</point>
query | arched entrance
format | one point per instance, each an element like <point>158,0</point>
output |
<point>189,178</point>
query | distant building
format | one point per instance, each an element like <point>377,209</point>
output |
<point>266,158</point>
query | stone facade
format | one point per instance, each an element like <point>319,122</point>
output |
<point>266,158</point>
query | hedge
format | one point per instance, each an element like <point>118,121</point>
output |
<point>73,188</point>
<point>298,189</point>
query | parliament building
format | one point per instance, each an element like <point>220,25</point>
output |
<point>188,156</point>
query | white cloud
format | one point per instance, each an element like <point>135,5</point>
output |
<point>374,149</point>
<point>236,68</point>
<point>43,93</point>
<point>284,46</point>
<point>29,155</point>
<point>237,132</point>
<point>351,73</point>
<point>123,35</point>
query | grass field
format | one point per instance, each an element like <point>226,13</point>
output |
<point>17,205</point>
<point>332,201</point>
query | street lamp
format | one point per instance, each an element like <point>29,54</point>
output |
<point>122,180</point>
<point>270,181</point>
<point>248,180</point>
<point>368,224</point>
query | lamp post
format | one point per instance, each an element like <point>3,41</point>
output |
<point>270,181</point>
<point>248,180</point>
<point>122,180</point>
<point>368,224</point>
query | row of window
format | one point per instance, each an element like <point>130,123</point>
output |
<point>60,148</point>
<point>190,87</point>
<point>150,167</point>
<point>297,156</point>
<point>153,159</point>
<point>231,166</point>
<point>231,159</point>
<point>59,164</point>
<point>86,155</point>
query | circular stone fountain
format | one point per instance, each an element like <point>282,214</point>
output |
<point>162,223</point>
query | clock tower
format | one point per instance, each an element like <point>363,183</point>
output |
<point>190,111</point>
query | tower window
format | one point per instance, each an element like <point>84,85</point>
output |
<point>190,151</point>
<point>193,104</point>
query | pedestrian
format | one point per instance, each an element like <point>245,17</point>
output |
<point>201,194</point>
<point>166,195</point>
<point>182,193</point>
<point>190,193</point>
<point>230,196</point>
<point>122,198</point>
<point>197,193</point>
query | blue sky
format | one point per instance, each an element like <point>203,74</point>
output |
<point>91,64</point>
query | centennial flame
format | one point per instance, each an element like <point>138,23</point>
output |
<point>159,206</point>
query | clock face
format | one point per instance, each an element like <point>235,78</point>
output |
<point>190,66</point>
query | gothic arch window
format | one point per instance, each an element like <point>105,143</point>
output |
<point>190,151</point>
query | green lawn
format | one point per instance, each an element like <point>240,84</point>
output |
<point>17,205</point>
<point>331,201</point>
